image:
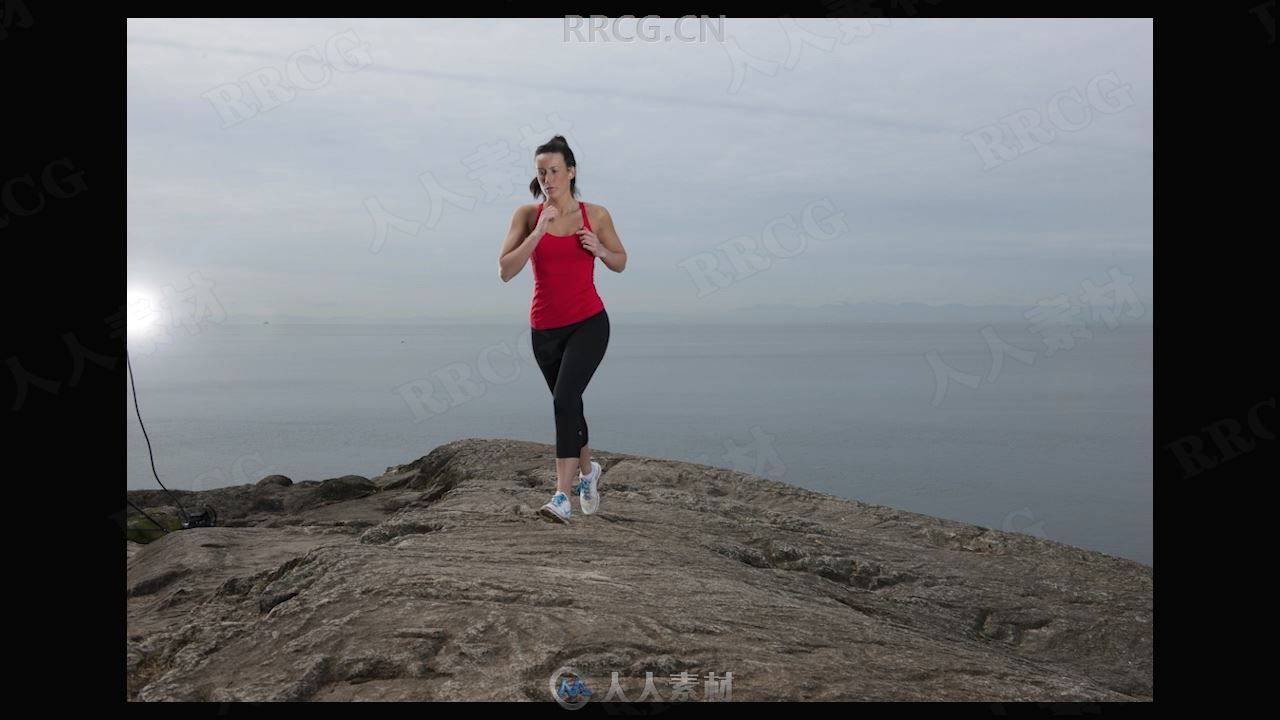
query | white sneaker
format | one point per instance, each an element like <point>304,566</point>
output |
<point>557,508</point>
<point>588,494</point>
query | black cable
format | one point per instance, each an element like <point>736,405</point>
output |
<point>186,518</point>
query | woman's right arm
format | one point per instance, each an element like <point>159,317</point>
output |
<point>519,244</point>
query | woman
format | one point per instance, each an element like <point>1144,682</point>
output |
<point>567,318</point>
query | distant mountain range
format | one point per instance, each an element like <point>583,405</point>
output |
<point>829,313</point>
<point>910,312</point>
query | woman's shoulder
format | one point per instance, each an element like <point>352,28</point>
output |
<point>528,212</point>
<point>596,211</point>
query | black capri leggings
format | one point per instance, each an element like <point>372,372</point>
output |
<point>568,356</point>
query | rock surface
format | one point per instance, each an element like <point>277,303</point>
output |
<point>438,580</point>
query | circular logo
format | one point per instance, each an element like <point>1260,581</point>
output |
<point>568,689</point>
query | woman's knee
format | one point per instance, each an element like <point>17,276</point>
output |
<point>566,400</point>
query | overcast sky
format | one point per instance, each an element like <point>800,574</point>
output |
<point>370,168</point>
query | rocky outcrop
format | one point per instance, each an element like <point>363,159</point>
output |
<point>438,580</point>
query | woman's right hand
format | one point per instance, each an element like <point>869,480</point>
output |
<point>549,213</point>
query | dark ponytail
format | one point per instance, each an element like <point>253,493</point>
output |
<point>556,144</point>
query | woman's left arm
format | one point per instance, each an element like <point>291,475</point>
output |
<point>609,248</point>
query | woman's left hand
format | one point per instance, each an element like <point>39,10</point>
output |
<point>591,243</point>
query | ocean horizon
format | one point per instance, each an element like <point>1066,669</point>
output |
<point>1009,425</point>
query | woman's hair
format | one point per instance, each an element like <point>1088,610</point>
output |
<point>556,144</point>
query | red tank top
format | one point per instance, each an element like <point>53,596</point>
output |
<point>564,289</point>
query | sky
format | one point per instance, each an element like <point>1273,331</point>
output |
<point>370,168</point>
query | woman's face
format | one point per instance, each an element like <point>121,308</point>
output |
<point>553,176</point>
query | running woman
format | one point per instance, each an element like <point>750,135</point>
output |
<point>567,318</point>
